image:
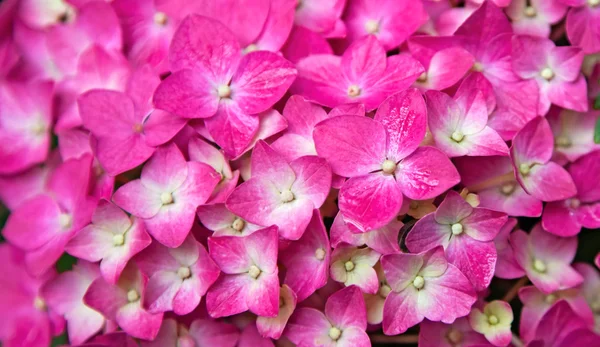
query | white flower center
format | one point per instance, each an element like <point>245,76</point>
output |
<point>65,220</point>
<point>251,48</point>
<point>550,298</point>
<point>254,271</point>
<point>349,265</point>
<point>287,196</point>
<point>166,198</point>
<point>492,319</point>
<point>593,3</point>
<point>562,141</point>
<point>184,272</point>
<point>224,91</point>
<point>160,18</point>
<point>388,166</point>
<point>238,224</point>
<point>530,11</point>
<point>133,295</point>
<point>320,253</point>
<point>508,188</point>
<point>353,91</point>
<point>39,303</point>
<point>455,336</point>
<point>477,66</point>
<point>384,290</point>
<point>419,282</point>
<point>457,136</point>
<point>573,203</point>
<point>539,266</point>
<point>335,333</point>
<point>524,169</point>
<point>372,26</point>
<point>457,229</point>
<point>38,128</point>
<point>547,74</point>
<point>118,239</point>
<point>422,77</point>
<point>138,128</point>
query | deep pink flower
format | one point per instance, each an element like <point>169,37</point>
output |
<point>443,67</point>
<point>561,327</point>
<point>494,322</point>
<point>506,265</point>
<point>302,43</point>
<point>178,277</point>
<point>583,24</point>
<point>112,238</point>
<point>25,124</point>
<point>45,223</point>
<point>127,120</point>
<point>223,222</point>
<point>555,69</point>
<point>531,152</point>
<point>201,332</point>
<point>167,194</point>
<point>122,303</point>
<point>336,326</point>
<point>536,304</point>
<point>458,334</point>
<point>546,259</point>
<point>26,319</point>
<point>249,280</point>
<point>362,75</point>
<point>383,240</point>
<point>64,294</point>
<point>307,259</point>
<point>322,16</point>
<point>213,81</point>
<point>535,17</point>
<point>467,235</point>
<point>493,179</point>
<point>280,193</point>
<point>272,327</point>
<point>567,217</point>
<point>423,286</point>
<point>459,124</point>
<point>200,151</point>
<point>364,17</point>
<point>383,159</point>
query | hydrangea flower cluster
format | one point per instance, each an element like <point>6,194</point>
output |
<point>299,173</point>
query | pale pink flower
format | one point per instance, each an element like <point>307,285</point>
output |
<point>535,17</point>
<point>167,194</point>
<point>494,322</point>
<point>443,67</point>
<point>355,266</point>
<point>423,286</point>
<point>223,222</point>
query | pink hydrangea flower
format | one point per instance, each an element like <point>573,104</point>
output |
<point>573,133</point>
<point>536,304</point>
<point>561,327</point>
<point>531,152</point>
<point>336,326</point>
<point>64,294</point>
<point>546,259</point>
<point>112,238</point>
<point>303,42</point>
<point>307,259</point>
<point>582,24</point>
<point>354,266</point>
<point>383,240</point>
<point>443,67</point>
<point>459,333</point>
<point>249,280</point>
<point>44,224</point>
<point>16,189</point>
<point>167,194</point>
<point>459,124</point>
<point>381,170</point>
<point>223,222</point>
<point>467,235</point>
<point>127,120</point>
<point>321,16</point>
<point>507,266</point>
<point>26,318</point>
<point>201,332</point>
<point>280,193</point>
<point>362,75</point>
<point>535,17</point>
<point>122,303</point>
<point>227,90</point>
<point>25,123</point>
<point>423,286</point>
<point>364,17</point>
<point>567,217</point>
<point>494,322</point>
<point>555,69</point>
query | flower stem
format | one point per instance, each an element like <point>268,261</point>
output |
<point>516,341</point>
<point>514,290</point>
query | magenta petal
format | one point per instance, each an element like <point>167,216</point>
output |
<point>371,201</point>
<point>228,295</point>
<point>475,259</point>
<point>534,143</point>
<point>560,219</point>
<point>404,117</point>
<point>570,95</point>
<point>263,295</point>
<point>232,129</point>
<point>427,234</point>
<point>261,80</point>
<point>320,79</point>
<point>135,198</point>
<point>308,325</point>
<point>302,115</point>
<point>30,233</point>
<point>582,28</point>
<point>483,224</point>
<point>313,179</point>
<point>268,164</point>
<point>401,312</point>
<point>426,173</point>
<point>447,67</point>
<point>137,322</point>
<point>160,291</point>
<point>336,308</point>
<point>549,182</point>
<point>364,60</point>
<point>187,94</point>
<point>343,142</point>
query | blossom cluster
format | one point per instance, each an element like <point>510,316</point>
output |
<point>299,172</point>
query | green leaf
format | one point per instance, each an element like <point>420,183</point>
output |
<point>60,340</point>
<point>597,103</point>
<point>597,132</point>
<point>65,263</point>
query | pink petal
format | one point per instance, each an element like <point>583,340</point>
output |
<point>232,129</point>
<point>483,224</point>
<point>268,164</point>
<point>308,325</point>
<point>534,143</point>
<point>559,219</point>
<point>447,67</point>
<point>371,201</point>
<point>346,308</point>
<point>549,182</point>
<point>302,115</point>
<point>321,80</point>
<point>108,113</point>
<point>364,61</point>
<point>581,170</point>
<point>228,296</point>
<point>404,117</point>
<point>261,80</point>
<point>313,179</point>
<point>214,333</point>
<point>570,95</point>
<point>166,171</point>
<point>273,327</point>
<point>452,209</point>
<point>401,311</point>
<point>137,322</point>
<point>401,269</point>
<point>475,259</point>
<point>160,127</point>
<point>263,295</point>
<point>342,141</point>
<point>277,27</point>
<point>114,160</point>
<point>427,234</point>
<point>530,55</point>
<point>30,233</point>
<point>187,94</point>
<point>402,71</point>
<point>138,200</point>
<point>582,28</point>
<point>418,178</point>
<point>302,43</point>
<point>160,291</point>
